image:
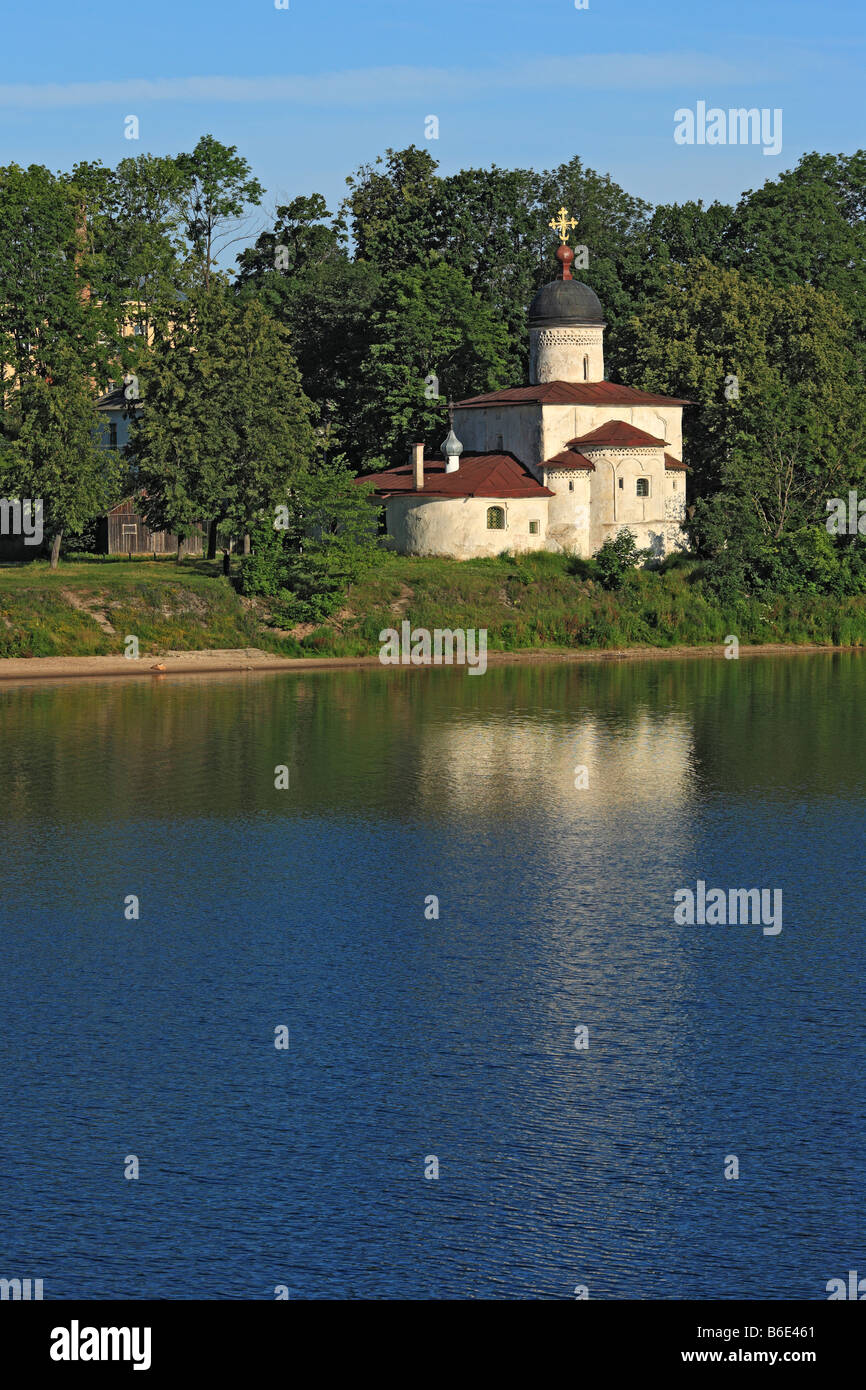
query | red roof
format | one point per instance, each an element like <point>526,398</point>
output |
<point>571,393</point>
<point>672,464</point>
<point>479,475</point>
<point>569,458</point>
<point>619,435</point>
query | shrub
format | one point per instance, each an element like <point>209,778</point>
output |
<point>617,558</point>
<point>328,542</point>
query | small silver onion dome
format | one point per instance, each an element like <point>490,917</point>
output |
<point>451,445</point>
<point>451,451</point>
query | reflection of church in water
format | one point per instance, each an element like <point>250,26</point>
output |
<point>566,767</point>
<point>560,464</point>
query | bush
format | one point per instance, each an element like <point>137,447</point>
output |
<point>306,566</point>
<point>617,558</point>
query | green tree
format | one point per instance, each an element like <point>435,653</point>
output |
<point>302,273</point>
<point>395,215</point>
<point>735,346</point>
<point>134,221</point>
<point>689,230</point>
<point>765,526</point>
<point>219,188</point>
<point>224,426</point>
<point>321,541</point>
<point>808,227</point>
<point>46,309</point>
<point>611,224</point>
<point>54,337</point>
<point>51,452</point>
<point>616,558</point>
<point>428,322</point>
<point>493,225</point>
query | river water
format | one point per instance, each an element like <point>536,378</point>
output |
<point>419,1042</point>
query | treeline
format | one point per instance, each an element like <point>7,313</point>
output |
<point>754,312</point>
<point>314,361</point>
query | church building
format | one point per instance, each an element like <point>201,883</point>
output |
<point>560,464</point>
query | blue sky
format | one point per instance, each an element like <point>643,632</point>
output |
<point>309,93</point>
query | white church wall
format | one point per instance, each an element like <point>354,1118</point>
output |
<point>568,511</point>
<point>675,511</point>
<point>457,526</point>
<point>560,423</point>
<point>566,354</point>
<point>514,429</point>
<point>614,507</point>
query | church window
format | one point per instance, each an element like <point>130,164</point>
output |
<point>585,368</point>
<point>571,486</point>
<point>641,487</point>
<point>534,528</point>
<point>620,482</point>
<point>674,483</point>
<point>496,518</point>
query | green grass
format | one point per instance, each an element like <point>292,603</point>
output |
<point>545,601</point>
<point>541,601</point>
<point>105,568</point>
<point>165,605</point>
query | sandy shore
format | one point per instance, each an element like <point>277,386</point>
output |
<point>251,659</point>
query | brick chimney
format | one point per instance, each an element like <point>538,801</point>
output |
<point>418,466</point>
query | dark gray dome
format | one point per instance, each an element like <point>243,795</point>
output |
<point>564,302</point>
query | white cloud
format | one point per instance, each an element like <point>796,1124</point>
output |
<point>374,86</point>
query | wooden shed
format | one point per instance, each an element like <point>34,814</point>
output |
<point>124,532</point>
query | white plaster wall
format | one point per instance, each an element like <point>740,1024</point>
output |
<point>513,429</point>
<point>560,423</point>
<point>457,526</point>
<point>675,511</point>
<point>557,354</point>
<point>613,507</point>
<point>568,512</point>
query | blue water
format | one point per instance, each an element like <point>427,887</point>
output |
<point>453,1038</point>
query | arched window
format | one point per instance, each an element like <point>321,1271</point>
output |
<point>496,518</point>
<point>642,487</point>
<point>585,367</point>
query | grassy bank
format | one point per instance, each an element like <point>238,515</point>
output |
<point>89,607</point>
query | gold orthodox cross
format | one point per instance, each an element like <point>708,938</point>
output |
<point>562,223</point>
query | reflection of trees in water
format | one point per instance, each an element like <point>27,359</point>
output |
<point>434,742</point>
